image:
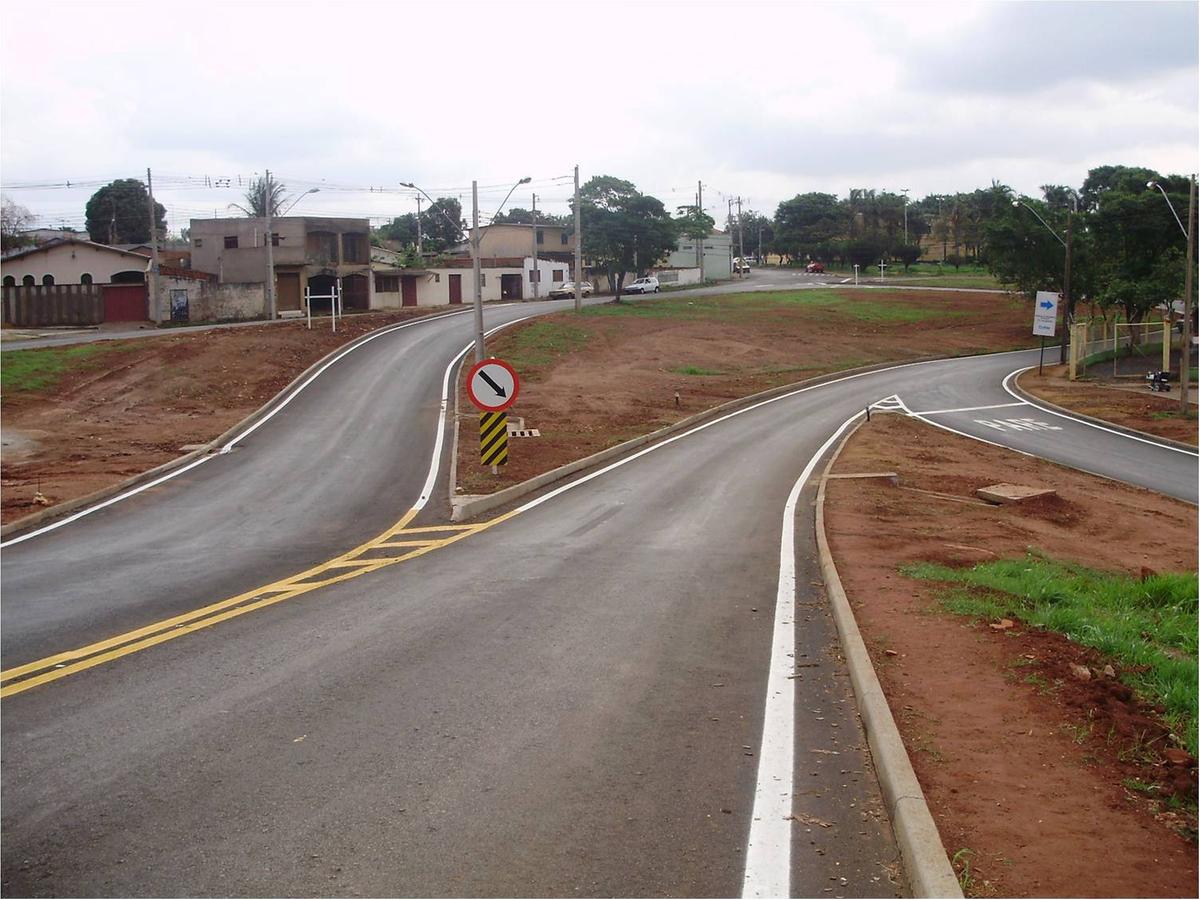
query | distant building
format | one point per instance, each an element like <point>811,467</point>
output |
<point>312,252</point>
<point>69,260</point>
<point>718,256</point>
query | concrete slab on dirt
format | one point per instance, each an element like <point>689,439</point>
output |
<point>1013,493</point>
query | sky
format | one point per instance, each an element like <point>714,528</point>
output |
<point>755,100</point>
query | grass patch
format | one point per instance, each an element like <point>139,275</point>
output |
<point>694,370</point>
<point>878,307</point>
<point>33,371</point>
<point>1148,626</point>
<point>542,343</point>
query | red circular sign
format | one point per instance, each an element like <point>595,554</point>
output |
<point>492,385</point>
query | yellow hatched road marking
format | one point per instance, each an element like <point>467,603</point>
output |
<point>60,665</point>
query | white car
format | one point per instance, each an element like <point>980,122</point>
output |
<point>567,289</point>
<point>740,265</point>
<point>648,285</point>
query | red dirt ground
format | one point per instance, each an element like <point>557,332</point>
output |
<point>1042,814</point>
<point>634,357</point>
<point>145,401</point>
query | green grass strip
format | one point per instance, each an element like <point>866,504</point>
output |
<point>31,371</point>
<point>1148,626</point>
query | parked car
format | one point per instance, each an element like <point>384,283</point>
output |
<point>567,289</point>
<point>648,285</point>
<point>815,268</point>
<point>740,265</point>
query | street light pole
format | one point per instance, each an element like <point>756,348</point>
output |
<point>477,272</point>
<point>533,251</point>
<point>270,250</point>
<point>578,248</point>
<point>904,191</point>
<point>1185,356</point>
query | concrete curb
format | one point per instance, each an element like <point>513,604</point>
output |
<point>67,507</point>
<point>470,506</point>
<point>1035,400</point>
<point>925,863</point>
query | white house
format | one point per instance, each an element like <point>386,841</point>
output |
<point>73,261</point>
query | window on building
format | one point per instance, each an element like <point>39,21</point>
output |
<point>9,281</point>
<point>387,284</point>
<point>47,280</point>
<point>557,275</point>
<point>321,247</point>
<point>534,275</point>
<point>198,242</point>
<point>231,242</point>
<point>541,236</point>
<point>354,248</point>
<point>28,281</point>
<point>437,278</point>
<point>85,278</point>
<point>562,238</point>
<point>482,279</point>
<point>274,239</point>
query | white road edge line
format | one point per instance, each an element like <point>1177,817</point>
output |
<point>74,517</point>
<point>768,870</point>
<point>935,412</point>
<point>1133,437</point>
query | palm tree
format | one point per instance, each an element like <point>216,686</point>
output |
<point>256,197</point>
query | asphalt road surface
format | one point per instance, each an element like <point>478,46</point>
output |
<point>567,699</point>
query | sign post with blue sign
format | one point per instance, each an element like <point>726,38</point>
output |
<point>1045,319</point>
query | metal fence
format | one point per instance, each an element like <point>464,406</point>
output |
<point>37,306</point>
<point>1100,341</point>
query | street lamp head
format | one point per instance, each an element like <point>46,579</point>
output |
<point>1016,203</point>
<point>525,180</point>
<point>1152,184</point>
<point>408,184</point>
<point>313,191</point>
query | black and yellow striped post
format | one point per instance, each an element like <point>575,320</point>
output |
<point>493,438</point>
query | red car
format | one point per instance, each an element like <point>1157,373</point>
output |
<point>814,268</point>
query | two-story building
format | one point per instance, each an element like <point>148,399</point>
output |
<point>313,252</point>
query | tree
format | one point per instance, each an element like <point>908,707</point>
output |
<point>14,219</point>
<point>442,225</point>
<point>623,230</point>
<point>693,222</point>
<point>259,194</point>
<point>517,216</point>
<point>907,254</point>
<point>402,230</point>
<point>117,213</point>
<point>809,224</point>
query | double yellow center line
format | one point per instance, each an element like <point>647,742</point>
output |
<point>398,544</point>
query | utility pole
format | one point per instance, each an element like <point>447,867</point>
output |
<point>112,223</point>
<point>270,250</point>
<point>419,250</point>
<point>533,231</point>
<point>703,240</point>
<point>904,191</point>
<point>729,225</point>
<point>1068,307</point>
<point>1185,357</point>
<point>578,249</point>
<point>741,233</point>
<point>475,265</point>
<point>155,309</point>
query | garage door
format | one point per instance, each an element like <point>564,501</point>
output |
<point>125,303</point>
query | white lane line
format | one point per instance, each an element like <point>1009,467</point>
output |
<point>769,848</point>
<point>74,517</point>
<point>436,460</point>
<point>1133,437</point>
<point>938,412</point>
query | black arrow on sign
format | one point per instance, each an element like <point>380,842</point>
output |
<point>500,392</point>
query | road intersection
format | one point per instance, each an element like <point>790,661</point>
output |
<point>284,671</point>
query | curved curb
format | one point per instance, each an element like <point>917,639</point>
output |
<point>925,863</point>
<point>470,506</point>
<point>1035,400</point>
<point>37,519</point>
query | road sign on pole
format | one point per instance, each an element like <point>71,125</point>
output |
<point>492,385</point>
<point>1045,314</point>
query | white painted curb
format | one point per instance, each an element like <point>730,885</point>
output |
<point>929,871</point>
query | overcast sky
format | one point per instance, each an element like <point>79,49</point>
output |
<point>761,100</point>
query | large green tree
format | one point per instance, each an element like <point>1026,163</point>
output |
<point>808,225</point>
<point>623,230</point>
<point>118,213</point>
<point>441,224</point>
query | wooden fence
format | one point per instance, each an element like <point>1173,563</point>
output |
<point>37,306</point>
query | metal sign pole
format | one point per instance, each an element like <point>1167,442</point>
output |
<point>1041,354</point>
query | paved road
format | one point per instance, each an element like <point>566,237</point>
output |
<point>566,702</point>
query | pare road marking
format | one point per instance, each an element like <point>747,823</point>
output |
<point>1018,425</point>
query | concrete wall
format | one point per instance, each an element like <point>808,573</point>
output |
<point>716,255</point>
<point>677,276</point>
<point>223,302</point>
<point>69,262</point>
